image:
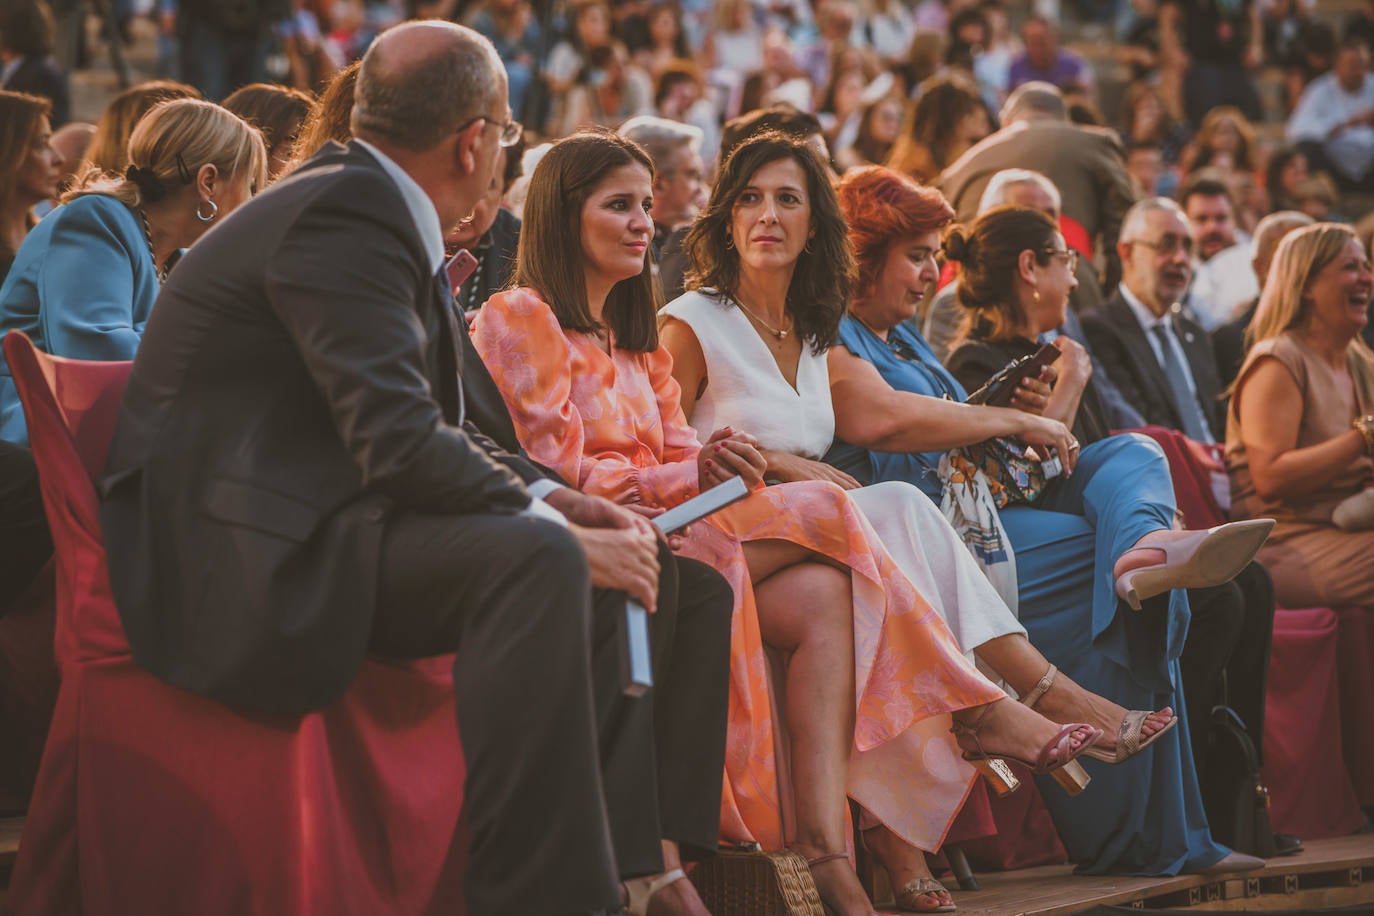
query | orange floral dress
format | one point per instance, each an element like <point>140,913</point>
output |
<point>613,425</point>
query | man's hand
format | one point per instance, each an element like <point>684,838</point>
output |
<point>624,559</point>
<point>597,512</point>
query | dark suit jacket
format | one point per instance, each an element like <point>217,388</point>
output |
<point>42,76</point>
<point>497,256</point>
<point>1117,339</point>
<point>297,384</point>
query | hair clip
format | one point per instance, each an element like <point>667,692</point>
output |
<point>183,171</point>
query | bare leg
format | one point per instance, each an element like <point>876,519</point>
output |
<point>1021,665</point>
<point>806,610</point>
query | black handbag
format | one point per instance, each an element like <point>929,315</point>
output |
<point>1234,796</point>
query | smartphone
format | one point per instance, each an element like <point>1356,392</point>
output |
<point>1000,388</point>
<point>459,268</point>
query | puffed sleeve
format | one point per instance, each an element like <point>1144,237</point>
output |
<point>531,361</point>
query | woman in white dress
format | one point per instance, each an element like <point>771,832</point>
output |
<point>788,264</point>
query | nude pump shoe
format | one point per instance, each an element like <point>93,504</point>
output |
<point>1198,560</point>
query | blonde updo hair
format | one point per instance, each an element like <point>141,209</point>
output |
<point>170,144</point>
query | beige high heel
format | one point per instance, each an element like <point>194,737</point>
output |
<point>1057,758</point>
<point>1128,741</point>
<point>1198,560</point>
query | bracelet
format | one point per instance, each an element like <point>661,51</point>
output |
<point>1365,427</point>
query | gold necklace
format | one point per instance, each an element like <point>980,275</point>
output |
<point>779,333</point>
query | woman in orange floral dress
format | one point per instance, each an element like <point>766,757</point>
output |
<point>873,673</point>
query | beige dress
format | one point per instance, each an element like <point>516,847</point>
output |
<point>1313,562</point>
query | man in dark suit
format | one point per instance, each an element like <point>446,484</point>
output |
<point>1162,362</point>
<point>1161,359</point>
<point>299,478</point>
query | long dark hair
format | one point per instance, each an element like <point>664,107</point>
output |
<point>549,256</point>
<point>824,275</point>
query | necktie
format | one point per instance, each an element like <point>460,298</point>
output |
<point>1195,424</point>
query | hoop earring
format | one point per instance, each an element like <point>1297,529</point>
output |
<point>807,246</point>
<point>214,211</point>
<point>729,241</point>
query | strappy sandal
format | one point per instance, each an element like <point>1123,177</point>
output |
<point>909,897</point>
<point>1128,740</point>
<point>811,864</point>
<point>641,890</point>
<point>1057,758</point>
<point>1201,559</point>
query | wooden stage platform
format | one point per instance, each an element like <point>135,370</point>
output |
<point>1327,874</point>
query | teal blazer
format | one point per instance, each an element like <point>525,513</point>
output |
<point>81,286</point>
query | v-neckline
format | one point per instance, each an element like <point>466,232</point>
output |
<point>758,338</point>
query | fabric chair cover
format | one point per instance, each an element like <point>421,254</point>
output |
<point>151,799</point>
<point>1319,687</point>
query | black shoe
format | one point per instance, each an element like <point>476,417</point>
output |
<point>1285,844</point>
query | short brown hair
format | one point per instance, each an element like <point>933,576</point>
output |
<point>277,111</point>
<point>824,275</point>
<point>989,253</point>
<point>883,207</point>
<point>21,119</point>
<point>549,257</point>
<point>109,149</point>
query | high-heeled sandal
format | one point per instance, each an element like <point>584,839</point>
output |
<point>908,897</point>
<point>642,890</point>
<point>1128,740</point>
<point>811,864</point>
<point>1058,758</point>
<point>1198,560</point>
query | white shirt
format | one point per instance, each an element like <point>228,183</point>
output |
<point>426,219</point>
<point>1325,104</point>
<point>1148,322</point>
<point>1221,285</point>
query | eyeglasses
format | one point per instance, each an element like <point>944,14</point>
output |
<point>1168,244</point>
<point>511,129</point>
<point>1070,256</point>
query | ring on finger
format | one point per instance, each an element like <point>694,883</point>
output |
<point>1073,446</point>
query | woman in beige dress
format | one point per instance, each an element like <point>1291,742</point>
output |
<point>1299,433</point>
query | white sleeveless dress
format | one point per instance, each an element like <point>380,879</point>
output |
<point>746,391</point>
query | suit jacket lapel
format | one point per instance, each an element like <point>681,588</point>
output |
<point>1197,346</point>
<point>450,358</point>
<point>1156,383</point>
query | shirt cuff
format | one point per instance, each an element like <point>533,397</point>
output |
<point>541,488</point>
<point>540,509</point>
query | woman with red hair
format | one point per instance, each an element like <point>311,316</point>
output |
<point>1077,548</point>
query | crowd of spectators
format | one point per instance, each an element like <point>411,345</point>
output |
<point>778,241</point>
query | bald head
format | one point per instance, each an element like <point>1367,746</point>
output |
<point>420,81</point>
<point>1034,101</point>
<point>1270,231</point>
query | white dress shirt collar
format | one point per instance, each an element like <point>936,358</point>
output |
<point>422,210</point>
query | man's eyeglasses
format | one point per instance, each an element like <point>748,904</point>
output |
<point>1070,256</point>
<point>511,129</point>
<point>1168,245</point>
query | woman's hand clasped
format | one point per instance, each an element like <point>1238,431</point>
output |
<point>729,454</point>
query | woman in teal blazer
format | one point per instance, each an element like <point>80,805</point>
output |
<point>84,281</point>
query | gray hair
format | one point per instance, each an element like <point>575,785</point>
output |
<point>661,138</point>
<point>1034,101</point>
<point>414,94</point>
<point>1133,223</point>
<point>995,194</point>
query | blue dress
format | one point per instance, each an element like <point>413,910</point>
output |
<point>81,286</point>
<point>1143,816</point>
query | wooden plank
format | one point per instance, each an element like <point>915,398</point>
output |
<point>1055,891</point>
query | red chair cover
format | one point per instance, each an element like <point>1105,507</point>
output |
<point>1013,831</point>
<point>151,799</point>
<point>1319,698</point>
<point>1309,785</point>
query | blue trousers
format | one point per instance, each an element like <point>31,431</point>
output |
<point>1144,816</point>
